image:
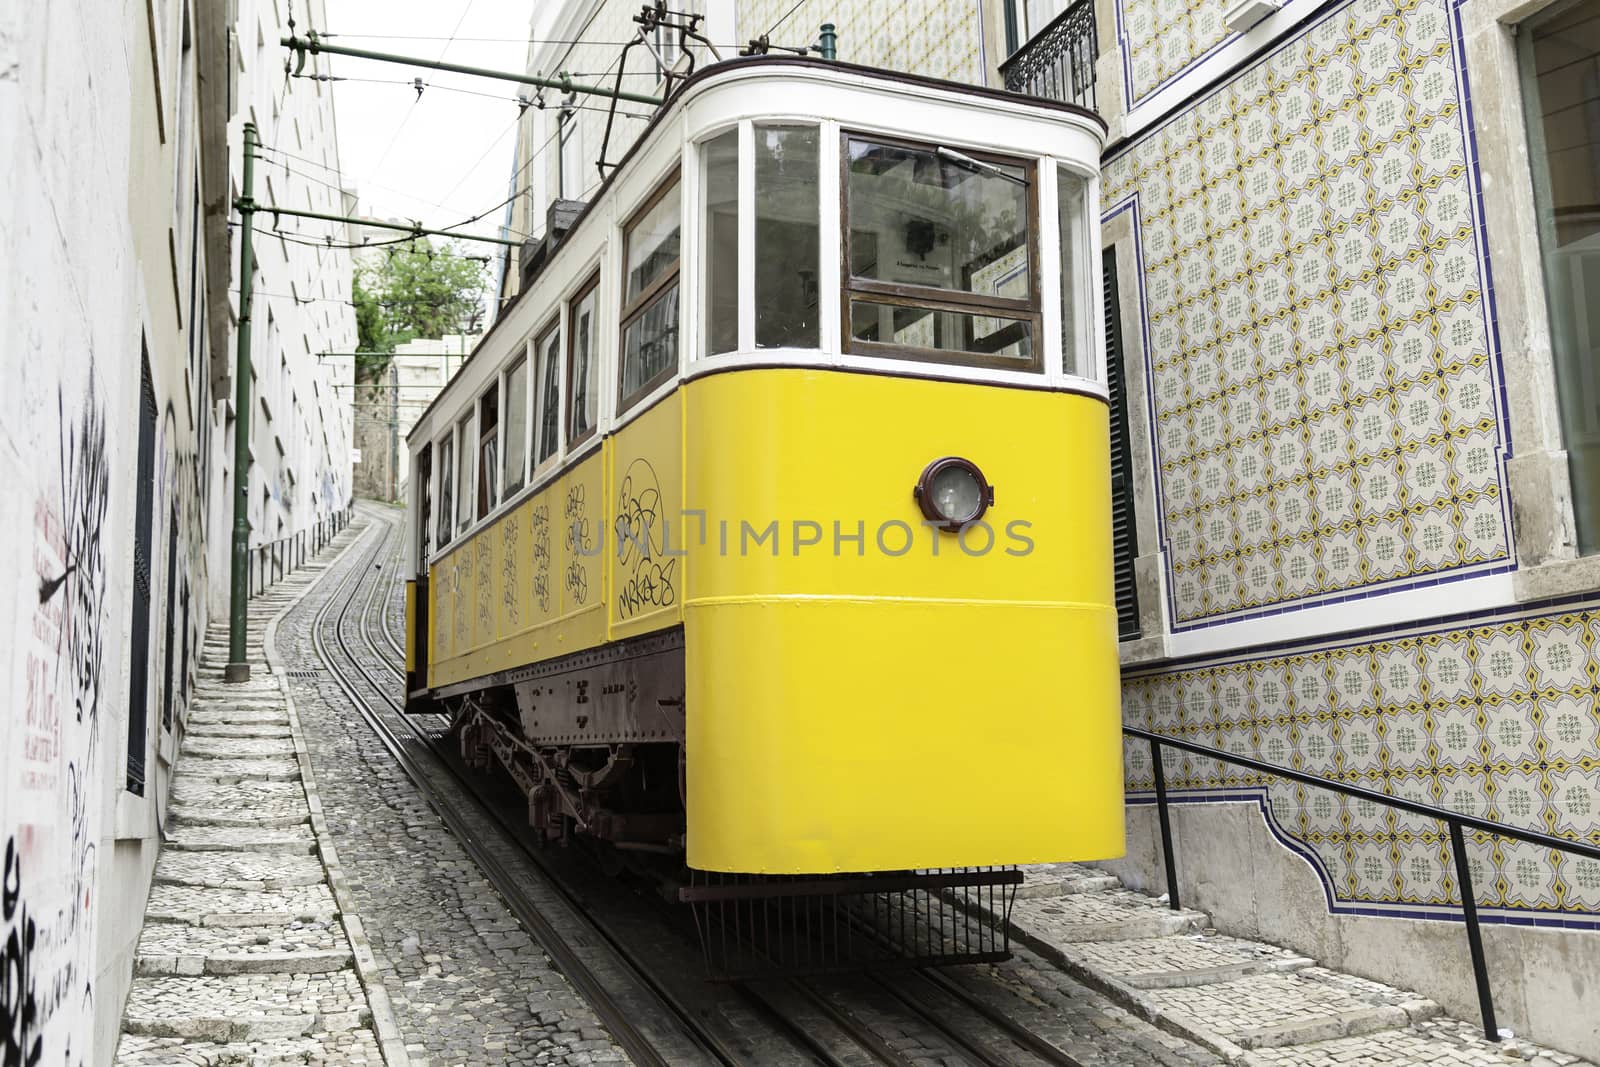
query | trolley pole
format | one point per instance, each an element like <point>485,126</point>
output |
<point>238,669</point>
<point>828,42</point>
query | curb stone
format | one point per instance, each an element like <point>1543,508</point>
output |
<point>391,1044</point>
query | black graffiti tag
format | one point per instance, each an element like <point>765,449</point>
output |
<point>641,543</point>
<point>19,1006</point>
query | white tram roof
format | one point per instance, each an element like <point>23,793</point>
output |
<point>773,89</point>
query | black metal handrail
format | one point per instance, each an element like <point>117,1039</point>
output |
<point>1057,63</point>
<point>1454,820</point>
<point>270,563</point>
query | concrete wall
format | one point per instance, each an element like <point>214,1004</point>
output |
<point>102,265</point>
<point>386,414</point>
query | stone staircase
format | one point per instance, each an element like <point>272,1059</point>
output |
<point>1249,1002</point>
<point>244,957</point>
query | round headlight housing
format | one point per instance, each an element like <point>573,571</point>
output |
<point>953,492</point>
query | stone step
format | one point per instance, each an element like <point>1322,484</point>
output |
<point>1103,915</point>
<point>1181,960</point>
<point>1059,879</point>
<point>238,870</point>
<point>168,948</point>
<point>272,714</point>
<point>1440,1041</point>
<point>209,730</point>
<point>236,747</point>
<point>247,1007</point>
<point>255,794</point>
<point>1275,1010</point>
<point>348,1047</point>
<point>295,839</point>
<point>190,816</point>
<point>204,906</point>
<point>238,770</point>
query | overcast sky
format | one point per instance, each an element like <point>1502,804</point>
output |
<point>449,154</point>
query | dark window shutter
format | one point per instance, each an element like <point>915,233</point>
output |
<point>139,625</point>
<point>172,608</point>
<point>1124,540</point>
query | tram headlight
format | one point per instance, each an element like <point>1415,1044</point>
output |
<point>953,492</point>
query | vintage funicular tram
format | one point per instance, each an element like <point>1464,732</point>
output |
<point>770,525</point>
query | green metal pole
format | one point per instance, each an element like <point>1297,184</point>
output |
<point>828,43</point>
<point>238,669</point>
<point>562,81</point>
<point>416,230</point>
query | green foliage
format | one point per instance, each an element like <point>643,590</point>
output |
<point>411,291</point>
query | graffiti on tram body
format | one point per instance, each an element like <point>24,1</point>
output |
<point>649,572</point>
<point>541,556</point>
<point>579,543</point>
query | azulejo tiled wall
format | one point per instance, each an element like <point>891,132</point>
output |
<point>1160,39</point>
<point>1324,378</point>
<point>939,38</point>
<point>1493,716</point>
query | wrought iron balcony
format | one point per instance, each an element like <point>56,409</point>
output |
<point>1058,62</point>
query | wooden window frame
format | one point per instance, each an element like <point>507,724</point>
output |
<point>506,488</point>
<point>636,308</point>
<point>446,467</point>
<point>536,424</point>
<point>932,298</point>
<point>466,423</point>
<point>487,502</point>
<point>592,286</point>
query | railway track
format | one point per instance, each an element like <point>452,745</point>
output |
<point>608,940</point>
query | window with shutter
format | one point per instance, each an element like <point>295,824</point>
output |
<point>1124,541</point>
<point>139,628</point>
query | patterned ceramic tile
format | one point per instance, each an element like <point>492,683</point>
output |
<point>1497,720</point>
<point>938,38</point>
<point>1160,39</point>
<point>1324,383</point>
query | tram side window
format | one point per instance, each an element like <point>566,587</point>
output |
<point>1077,354</point>
<point>466,451</point>
<point>720,183</point>
<point>516,424</point>
<point>650,296</point>
<point>447,483</point>
<point>422,463</point>
<point>941,254</point>
<point>547,382</point>
<point>787,158</point>
<point>488,451</point>
<point>583,370</point>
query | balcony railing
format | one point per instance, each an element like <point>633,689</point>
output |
<point>1058,62</point>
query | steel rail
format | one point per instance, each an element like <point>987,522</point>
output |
<point>562,954</point>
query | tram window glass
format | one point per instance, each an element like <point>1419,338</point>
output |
<point>488,451</point>
<point>447,482</point>
<point>955,332</point>
<point>1071,215</point>
<point>787,219</point>
<point>516,424</point>
<point>466,449</point>
<point>720,181</point>
<point>650,295</point>
<point>547,382</point>
<point>583,370</point>
<point>947,236</point>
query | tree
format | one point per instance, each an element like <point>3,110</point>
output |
<point>411,291</point>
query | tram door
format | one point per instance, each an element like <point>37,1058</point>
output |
<point>417,587</point>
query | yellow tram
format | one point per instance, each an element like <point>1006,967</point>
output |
<point>771,522</point>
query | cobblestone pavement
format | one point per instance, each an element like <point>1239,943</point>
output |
<point>1250,1003</point>
<point>468,985</point>
<point>244,957</point>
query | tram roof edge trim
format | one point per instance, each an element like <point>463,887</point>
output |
<point>714,72</point>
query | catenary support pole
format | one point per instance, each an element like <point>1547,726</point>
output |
<point>238,669</point>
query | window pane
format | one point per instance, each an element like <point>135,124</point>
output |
<point>549,397</point>
<point>1003,339</point>
<point>1070,215</point>
<point>571,176</point>
<point>921,218</point>
<point>650,343</point>
<point>447,473</point>
<point>652,244</point>
<point>721,183</point>
<point>585,383</point>
<point>488,451</point>
<point>1561,69</point>
<point>786,218</point>
<point>469,448</point>
<point>516,424</point>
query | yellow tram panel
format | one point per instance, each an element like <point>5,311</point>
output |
<point>645,538</point>
<point>843,706</point>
